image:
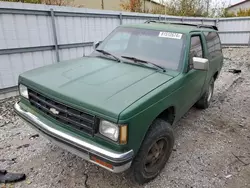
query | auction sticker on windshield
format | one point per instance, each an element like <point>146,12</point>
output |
<point>170,35</point>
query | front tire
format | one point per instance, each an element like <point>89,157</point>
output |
<point>206,98</point>
<point>154,152</point>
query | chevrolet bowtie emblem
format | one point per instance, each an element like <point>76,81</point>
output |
<point>54,111</point>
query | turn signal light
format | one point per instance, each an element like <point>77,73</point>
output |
<point>123,134</point>
<point>103,163</point>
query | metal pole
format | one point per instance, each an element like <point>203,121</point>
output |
<point>120,16</point>
<point>54,34</point>
<point>144,8</point>
<point>165,9</point>
<point>208,1</point>
<point>102,4</point>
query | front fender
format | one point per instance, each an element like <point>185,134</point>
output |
<point>144,112</point>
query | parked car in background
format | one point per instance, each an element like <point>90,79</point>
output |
<point>117,107</point>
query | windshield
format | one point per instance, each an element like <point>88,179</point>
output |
<point>159,47</point>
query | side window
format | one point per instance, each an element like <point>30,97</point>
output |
<point>196,47</point>
<point>213,43</point>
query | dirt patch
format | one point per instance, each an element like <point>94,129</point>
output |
<point>211,150</point>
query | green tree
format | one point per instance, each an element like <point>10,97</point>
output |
<point>239,13</point>
<point>225,13</point>
<point>187,7</point>
<point>243,12</point>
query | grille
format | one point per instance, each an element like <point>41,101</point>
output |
<point>67,115</point>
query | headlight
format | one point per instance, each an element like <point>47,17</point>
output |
<point>23,91</point>
<point>109,130</point>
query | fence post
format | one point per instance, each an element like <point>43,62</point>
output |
<point>54,34</point>
<point>217,23</point>
<point>120,16</point>
<point>159,18</point>
<point>249,40</point>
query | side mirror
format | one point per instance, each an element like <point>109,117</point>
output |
<point>200,64</point>
<point>96,44</point>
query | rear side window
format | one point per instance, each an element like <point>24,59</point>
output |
<point>213,43</point>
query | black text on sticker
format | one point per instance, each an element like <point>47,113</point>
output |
<point>170,35</point>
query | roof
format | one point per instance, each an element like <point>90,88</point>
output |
<point>155,2</point>
<point>242,2</point>
<point>186,29</point>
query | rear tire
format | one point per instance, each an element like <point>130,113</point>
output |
<point>154,152</point>
<point>206,98</point>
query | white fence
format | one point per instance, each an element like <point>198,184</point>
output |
<point>33,35</point>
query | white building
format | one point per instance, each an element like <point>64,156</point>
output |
<point>241,5</point>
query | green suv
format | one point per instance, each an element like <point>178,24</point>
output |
<point>117,107</point>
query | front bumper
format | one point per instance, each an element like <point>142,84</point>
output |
<point>119,161</point>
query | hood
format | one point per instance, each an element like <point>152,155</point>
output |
<point>98,85</point>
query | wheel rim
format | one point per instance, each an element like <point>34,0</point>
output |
<point>156,155</point>
<point>210,93</point>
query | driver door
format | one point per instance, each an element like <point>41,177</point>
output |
<point>193,80</point>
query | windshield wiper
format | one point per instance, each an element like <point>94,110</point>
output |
<point>144,62</point>
<point>107,53</point>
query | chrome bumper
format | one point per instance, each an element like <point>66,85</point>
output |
<point>119,161</point>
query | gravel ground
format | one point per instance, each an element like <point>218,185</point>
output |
<point>212,145</point>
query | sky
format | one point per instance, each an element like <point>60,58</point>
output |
<point>230,1</point>
<point>218,1</point>
<point>227,2</point>
<point>235,1</point>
